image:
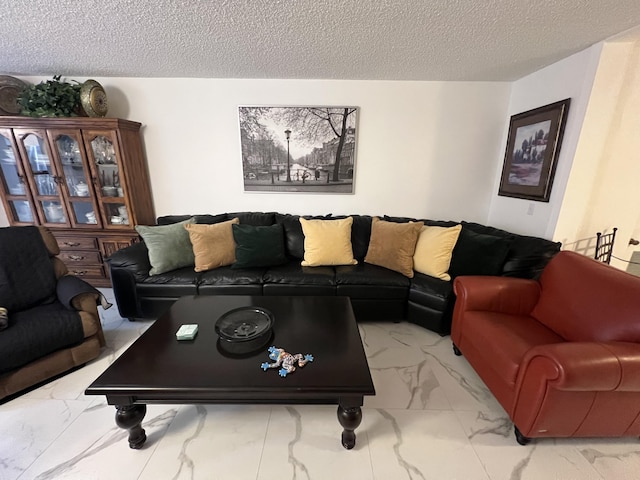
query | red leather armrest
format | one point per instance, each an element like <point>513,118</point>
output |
<point>584,366</point>
<point>515,296</point>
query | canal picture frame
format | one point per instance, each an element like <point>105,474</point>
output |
<point>298,149</point>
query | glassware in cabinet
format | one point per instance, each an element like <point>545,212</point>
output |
<point>107,166</point>
<point>42,176</point>
<point>76,177</point>
<point>16,198</point>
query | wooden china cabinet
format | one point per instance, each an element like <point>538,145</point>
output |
<point>86,179</point>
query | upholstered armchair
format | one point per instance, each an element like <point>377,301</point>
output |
<point>562,354</point>
<point>52,318</point>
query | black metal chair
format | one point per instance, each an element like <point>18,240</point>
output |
<point>604,246</point>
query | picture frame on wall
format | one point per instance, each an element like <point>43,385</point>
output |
<point>533,146</point>
<point>298,149</point>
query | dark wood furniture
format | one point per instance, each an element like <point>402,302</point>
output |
<point>85,179</point>
<point>159,369</point>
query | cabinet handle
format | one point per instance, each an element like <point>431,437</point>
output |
<point>76,257</point>
<point>79,273</point>
<point>71,244</point>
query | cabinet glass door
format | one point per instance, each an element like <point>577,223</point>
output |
<point>16,192</point>
<point>76,178</point>
<point>45,181</point>
<point>110,189</point>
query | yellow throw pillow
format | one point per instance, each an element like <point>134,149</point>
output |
<point>327,242</point>
<point>213,245</point>
<point>434,249</point>
<point>392,245</point>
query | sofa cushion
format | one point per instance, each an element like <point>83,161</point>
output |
<point>583,300</point>
<point>37,332</point>
<point>171,219</point>
<point>213,245</point>
<point>202,218</point>
<point>430,291</point>
<point>257,219</point>
<point>433,250</point>
<point>168,246</point>
<point>426,221</point>
<point>527,256</point>
<point>293,236</point>
<point>507,337</point>
<point>327,242</point>
<point>261,246</point>
<point>368,274</point>
<point>392,245</point>
<point>179,276</point>
<point>360,234</point>
<point>27,276</point>
<point>370,281</point>
<point>388,218</point>
<point>479,254</point>
<point>228,275</point>
<point>292,273</point>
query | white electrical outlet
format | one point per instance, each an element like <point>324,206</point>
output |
<point>531,208</point>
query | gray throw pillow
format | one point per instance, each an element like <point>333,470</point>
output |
<point>169,246</point>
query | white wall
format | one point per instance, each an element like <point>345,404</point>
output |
<point>602,192</point>
<point>568,78</point>
<point>424,149</point>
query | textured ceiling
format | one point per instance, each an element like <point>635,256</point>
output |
<point>320,39</point>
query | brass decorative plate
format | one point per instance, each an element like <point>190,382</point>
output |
<point>10,89</point>
<point>93,99</point>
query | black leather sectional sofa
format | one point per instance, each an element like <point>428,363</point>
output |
<point>376,293</point>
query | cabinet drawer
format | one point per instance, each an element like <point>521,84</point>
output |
<point>87,271</point>
<point>80,257</point>
<point>77,243</point>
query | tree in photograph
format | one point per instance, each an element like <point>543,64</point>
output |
<point>258,146</point>
<point>317,124</point>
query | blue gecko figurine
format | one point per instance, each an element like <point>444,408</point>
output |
<point>285,360</point>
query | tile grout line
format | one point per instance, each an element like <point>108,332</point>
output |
<point>264,442</point>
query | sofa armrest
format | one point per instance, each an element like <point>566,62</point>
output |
<point>127,267</point>
<point>514,296</point>
<point>583,367</point>
<point>134,259</point>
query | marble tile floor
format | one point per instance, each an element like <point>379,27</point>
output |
<point>432,418</point>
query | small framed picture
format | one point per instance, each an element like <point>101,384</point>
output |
<point>532,152</point>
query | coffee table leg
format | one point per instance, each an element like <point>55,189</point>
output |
<point>130,418</point>
<point>349,418</point>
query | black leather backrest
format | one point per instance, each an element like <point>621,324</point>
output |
<point>360,234</point>
<point>201,218</point>
<point>527,255</point>
<point>257,219</point>
<point>293,236</point>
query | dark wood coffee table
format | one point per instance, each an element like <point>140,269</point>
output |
<point>159,369</point>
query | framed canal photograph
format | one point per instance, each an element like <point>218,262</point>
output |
<point>532,152</point>
<point>298,149</point>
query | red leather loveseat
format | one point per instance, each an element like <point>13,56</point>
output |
<point>561,354</point>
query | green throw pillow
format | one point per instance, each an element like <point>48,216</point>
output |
<point>478,254</point>
<point>258,246</point>
<point>169,246</point>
